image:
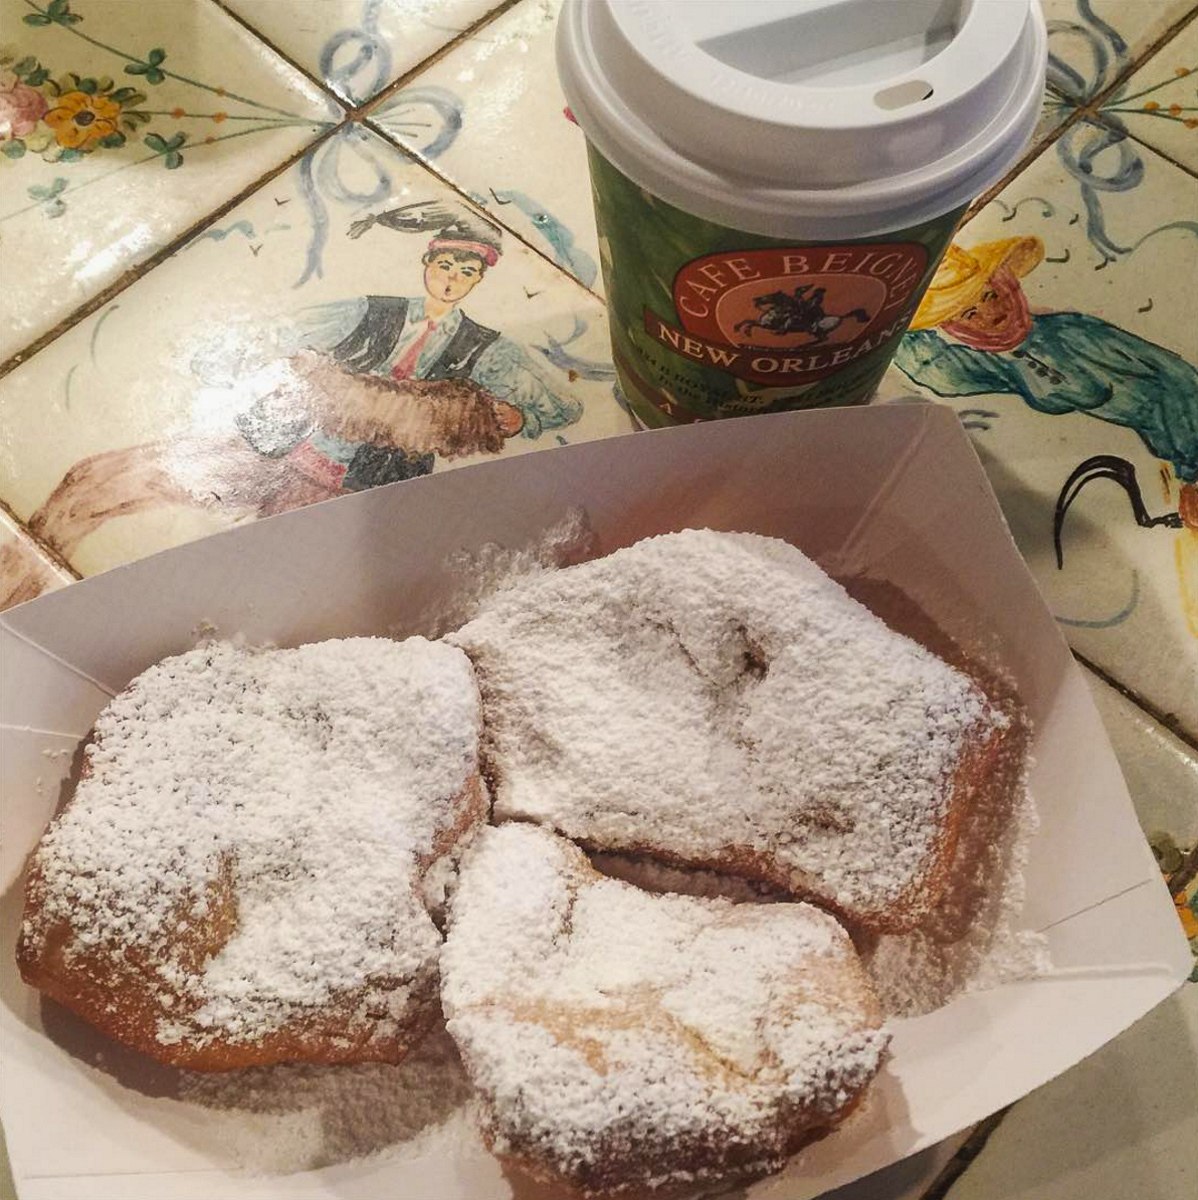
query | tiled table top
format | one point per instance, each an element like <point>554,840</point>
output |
<point>188,194</point>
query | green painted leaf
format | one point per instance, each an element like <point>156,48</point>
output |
<point>37,19</point>
<point>58,8</point>
<point>154,75</point>
<point>88,87</point>
<point>23,67</point>
<point>173,159</point>
<point>127,95</point>
<point>136,69</point>
<point>70,155</point>
<point>37,192</point>
<point>59,185</point>
<point>13,149</point>
<point>155,142</point>
<point>155,56</point>
<point>113,140</point>
<point>38,77</point>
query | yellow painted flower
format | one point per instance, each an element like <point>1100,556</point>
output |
<point>80,120</point>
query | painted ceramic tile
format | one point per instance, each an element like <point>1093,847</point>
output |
<point>1161,771</point>
<point>1061,327</point>
<point>121,126</point>
<point>1122,1124</point>
<point>25,572</point>
<point>501,133</point>
<point>1158,105</point>
<point>1162,777</point>
<point>1092,42</point>
<point>1053,112</point>
<point>369,327</point>
<point>358,47</point>
<point>507,140</point>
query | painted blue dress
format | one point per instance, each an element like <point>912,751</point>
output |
<point>1074,362</point>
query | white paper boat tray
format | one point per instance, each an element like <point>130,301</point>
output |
<point>893,492</point>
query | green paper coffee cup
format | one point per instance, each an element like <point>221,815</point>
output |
<point>775,181</point>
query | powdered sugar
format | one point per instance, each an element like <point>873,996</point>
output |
<point>680,1035</point>
<point>254,826</point>
<point>717,699</point>
<point>492,568</point>
<point>973,942</point>
<point>684,1007</point>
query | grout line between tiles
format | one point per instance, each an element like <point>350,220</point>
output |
<point>1166,719</point>
<point>134,273</point>
<point>968,1151</point>
<point>1081,111</point>
<point>1150,50</point>
<point>43,546</point>
<point>1148,146</point>
<point>478,208</point>
<point>365,109</point>
<point>258,36</point>
<point>1032,154</point>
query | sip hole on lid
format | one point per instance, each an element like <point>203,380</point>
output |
<point>902,94</point>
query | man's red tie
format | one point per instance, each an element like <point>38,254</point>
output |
<point>406,365</point>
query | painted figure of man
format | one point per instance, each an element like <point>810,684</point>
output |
<point>374,390</point>
<point>975,334</point>
<point>407,339</point>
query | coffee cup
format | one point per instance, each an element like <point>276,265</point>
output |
<point>775,181</point>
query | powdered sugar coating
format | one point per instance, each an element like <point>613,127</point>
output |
<point>621,1038</point>
<point>277,808</point>
<point>718,698</point>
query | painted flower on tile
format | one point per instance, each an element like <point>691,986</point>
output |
<point>21,108</point>
<point>63,118</point>
<point>80,120</point>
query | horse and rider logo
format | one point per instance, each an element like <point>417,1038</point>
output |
<point>800,311</point>
<point>791,315</point>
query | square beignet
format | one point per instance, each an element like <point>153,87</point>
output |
<point>716,700</point>
<point>236,880</point>
<point>622,1039</point>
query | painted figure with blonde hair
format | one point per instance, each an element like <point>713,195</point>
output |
<point>975,334</point>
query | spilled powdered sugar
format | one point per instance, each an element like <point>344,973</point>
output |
<point>589,1012</point>
<point>274,806</point>
<point>709,696</point>
<point>480,574</point>
<point>973,941</point>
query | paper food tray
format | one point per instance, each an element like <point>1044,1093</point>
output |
<point>895,492</point>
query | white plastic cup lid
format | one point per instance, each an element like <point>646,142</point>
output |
<point>823,118</point>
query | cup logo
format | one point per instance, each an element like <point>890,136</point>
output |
<point>791,315</point>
